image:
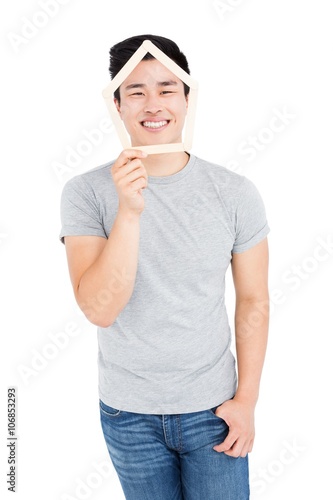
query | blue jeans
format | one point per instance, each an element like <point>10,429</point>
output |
<point>171,457</point>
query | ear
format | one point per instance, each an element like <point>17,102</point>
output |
<point>117,104</point>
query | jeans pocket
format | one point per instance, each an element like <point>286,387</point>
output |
<point>213,410</point>
<point>218,420</point>
<point>108,410</point>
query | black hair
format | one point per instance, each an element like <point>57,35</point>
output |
<point>123,51</point>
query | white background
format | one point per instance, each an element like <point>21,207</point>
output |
<point>254,58</point>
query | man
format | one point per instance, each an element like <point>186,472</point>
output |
<point>148,241</point>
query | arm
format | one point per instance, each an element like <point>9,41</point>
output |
<point>103,271</point>
<point>250,275</point>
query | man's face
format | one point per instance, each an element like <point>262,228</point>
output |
<point>153,105</point>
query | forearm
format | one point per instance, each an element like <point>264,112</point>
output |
<point>107,285</point>
<point>251,329</point>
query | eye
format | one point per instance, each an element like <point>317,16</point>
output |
<point>167,92</point>
<point>137,93</point>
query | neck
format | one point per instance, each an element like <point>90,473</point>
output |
<point>165,164</point>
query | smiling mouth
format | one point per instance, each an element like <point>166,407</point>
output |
<point>155,125</point>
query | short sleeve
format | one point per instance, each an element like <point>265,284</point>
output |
<point>79,210</point>
<point>250,219</point>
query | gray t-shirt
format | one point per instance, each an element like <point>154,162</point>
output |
<point>168,351</point>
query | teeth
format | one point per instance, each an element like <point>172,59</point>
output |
<point>155,124</point>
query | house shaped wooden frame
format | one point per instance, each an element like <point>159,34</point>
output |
<point>108,94</point>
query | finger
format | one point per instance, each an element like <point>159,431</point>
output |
<point>125,158</point>
<point>227,443</point>
<point>139,184</point>
<point>235,451</point>
<point>133,176</point>
<point>250,448</point>
<point>223,447</point>
<point>133,171</point>
<point>234,454</point>
<point>131,154</point>
<point>240,449</point>
<point>130,167</point>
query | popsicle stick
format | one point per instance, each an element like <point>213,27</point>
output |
<point>124,72</point>
<point>161,148</point>
<point>169,63</point>
<point>190,118</point>
<point>118,123</point>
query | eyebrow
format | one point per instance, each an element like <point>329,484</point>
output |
<point>142,85</point>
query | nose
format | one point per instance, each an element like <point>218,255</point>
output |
<point>152,105</point>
